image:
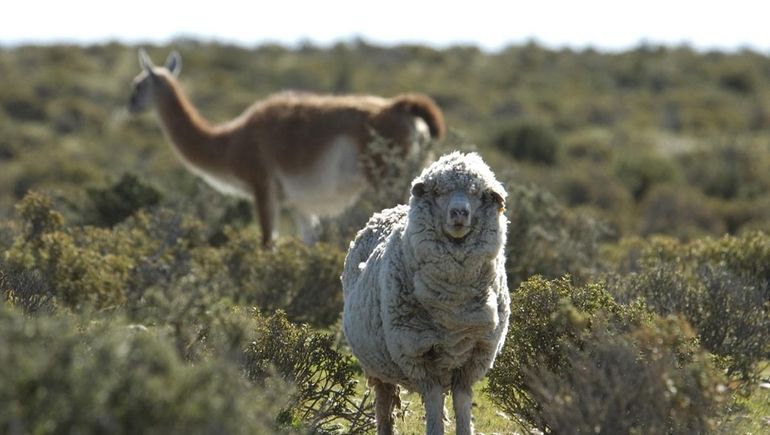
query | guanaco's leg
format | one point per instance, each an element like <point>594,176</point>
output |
<point>267,210</point>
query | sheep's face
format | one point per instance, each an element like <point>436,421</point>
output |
<point>150,77</point>
<point>459,210</point>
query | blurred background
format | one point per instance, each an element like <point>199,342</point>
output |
<point>652,115</point>
<point>633,138</point>
<point>489,25</point>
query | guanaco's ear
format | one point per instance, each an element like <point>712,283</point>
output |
<point>418,189</point>
<point>174,63</point>
<point>145,62</point>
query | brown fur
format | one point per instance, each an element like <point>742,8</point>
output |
<point>386,400</point>
<point>286,132</point>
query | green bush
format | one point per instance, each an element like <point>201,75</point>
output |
<point>745,215</point>
<point>204,329</point>
<point>39,216</point>
<point>25,289</point>
<point>79,265</point>
<point>302,280</point>
<point>201,326</point>
<point>157,253</point>
<point>60,376</point>
<point>639,173</point>
<point>588,185</point>
<point>636,382</point>
<point>56,168</point>
<point>121,200</point>
<point>679,212</point>
<point>546,238</point>
<point>528,141</point>
<point>575,358</point>
<point>742,81</point>
<point>593,145</point>
<point>591,189</point>
<point>325,398</point>
<point>728,171</point>
<point>719,285</point>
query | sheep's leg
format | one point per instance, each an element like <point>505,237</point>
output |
<point>462,401</point>
<point>267,210</point>
<point>385,401</point>
<point>434,410</point>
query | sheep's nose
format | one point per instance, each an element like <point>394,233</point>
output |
<point>460,212</point>
<point>459,209</point>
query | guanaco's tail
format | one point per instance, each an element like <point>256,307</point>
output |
<point>422,107</point>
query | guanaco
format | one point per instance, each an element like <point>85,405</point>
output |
<point>297,150</point>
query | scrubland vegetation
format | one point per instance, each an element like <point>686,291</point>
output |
<point>137,300</point>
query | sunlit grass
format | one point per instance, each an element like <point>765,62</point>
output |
<point>487,419</point>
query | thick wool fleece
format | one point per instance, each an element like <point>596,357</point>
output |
<point>421,308</point>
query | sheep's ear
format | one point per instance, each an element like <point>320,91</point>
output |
<point>498,198</point>
<point>418,189</point>
<point>174,63</point>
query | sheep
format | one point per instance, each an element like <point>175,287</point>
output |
<point>426,300</point>
<point>298,150</point>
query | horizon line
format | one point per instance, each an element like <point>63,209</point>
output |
<point>298,43</point>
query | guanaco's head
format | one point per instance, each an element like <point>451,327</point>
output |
<point>151,77</point>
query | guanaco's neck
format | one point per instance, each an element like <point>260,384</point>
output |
<point>193,137</point>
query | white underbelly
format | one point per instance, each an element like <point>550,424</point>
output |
<point>329,186</point>
<point>224,183</point>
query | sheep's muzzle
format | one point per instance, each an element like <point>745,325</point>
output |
<point>459,214</point>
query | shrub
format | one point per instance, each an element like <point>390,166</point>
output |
<point>546,238</point>
<point>739,80</point>
<point>302,280</point>
<point>721,286</point>
<point>679,212</point>
<point>159,253</point>
<point>593,145</point>
<point>528,141</point>
<point>595,191</point>
<point>727,171</point>
<point>60,376</point>
<point>325,397</point>
<point>574,357</point>
<point>640,173</point>
<point>78,265</point>
<point>746,215</point>
<point>585,184</point>
<point>197,316</point>
<point>121,200</point>
<point>55,168</point>
<point>201,325</point>
<point>636,382</point>
<point>25,289</point>
<point>39,216</point>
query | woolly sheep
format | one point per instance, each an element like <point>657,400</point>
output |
<point>426,296</point>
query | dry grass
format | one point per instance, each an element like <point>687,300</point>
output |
<point>487,418</point>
